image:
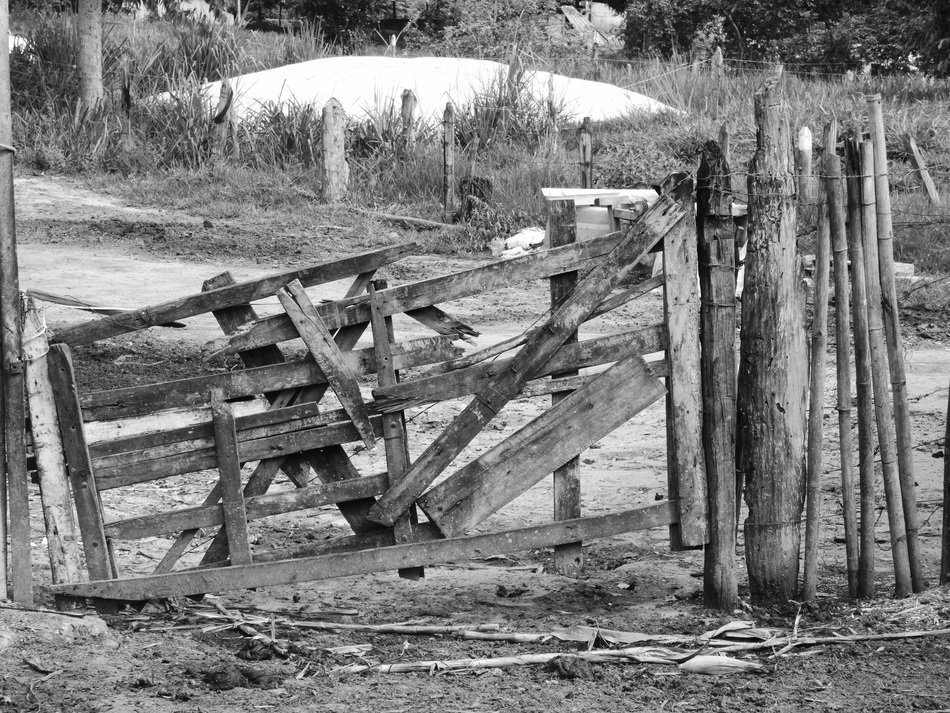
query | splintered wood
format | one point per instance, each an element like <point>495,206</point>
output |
<point>270,415</point>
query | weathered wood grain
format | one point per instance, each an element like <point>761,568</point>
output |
<point>232,502</point>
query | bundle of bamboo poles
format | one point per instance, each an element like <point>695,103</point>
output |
<point>855,226</point>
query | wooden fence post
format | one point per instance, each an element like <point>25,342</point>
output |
<point>945,540</point>
<point>336,171</point>
<point>773,364</point>
<point>221,123</point>
<point>686,479</point>
<point>895,346</point>
<point>61,532</point>
<point>407,116</point>
<point>448,163</point>
<point>11,369</point>
<point>569,558</point>
<point>717,278</point>
<point>585,153</point>
<point>862,368</point>
<point>834,187</point>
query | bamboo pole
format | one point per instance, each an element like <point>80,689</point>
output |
<point>862,367</point>
<point>816,399</point>
<point>14,401</point>
<point>61,531</point>
<point>448,163</point>
<point>717,279</point>
<point>945,549</point>
<point>585,156</point>
<point>895,347</point>
<point>882,402</point>
<point>834,188</point>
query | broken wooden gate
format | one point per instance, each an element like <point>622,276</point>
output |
<point>273,415</point>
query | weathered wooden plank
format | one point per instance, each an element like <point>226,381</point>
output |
<point>499,475</point>
<point>463,382</point>
<point>138,400</point>
<point>256,507</point>
<point>687,473</point>
<point>436,290</point>
<point>328,356</point>
<point>117,476</point>
<point>394,425</point>
<point>241,293</point>
<point>415,554</point>
<point>562,230</point>
<point>920,165</point>
<point>62,534</point>
<point>235,517</point>
<point>442,322</point>
<point>82,483</point>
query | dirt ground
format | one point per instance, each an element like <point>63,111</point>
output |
<point>171,657</point>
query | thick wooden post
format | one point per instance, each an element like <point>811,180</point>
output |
<point>773,364</point>
<point>686,479</point>
<point>14,400</point>
<point>816,404</point>
<point>883,412</point>
<point>221,123</point>
<point>834,189</point>
<point>407,117</point>
<point>448,163</point>
<point>862,367</point>
<point>717,279</point>
<point>895,346</point>
<point>61,532</point>
<point>336,171</point>
<point>585,153</point>
<point>569,558</point>
<point>945,540</point>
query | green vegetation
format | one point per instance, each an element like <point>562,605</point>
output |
<point>161,150</point>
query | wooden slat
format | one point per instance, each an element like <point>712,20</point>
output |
<point>256,507</point>
<point>581,419</point>
<point>328,356</point>
<point>920,165</point>
<point>488,401</point>
<point>138,400</point>
<point>394,425</point>
<point>687,472</point>
<point>235,517</point>
<point>437,290</point>
<point>463,382</point>
<point>442,322</point>
<point>82,483</point>
<point>366,561</point>
<point>240,293</point>
<point>562,230</point>
<point>117,476</point>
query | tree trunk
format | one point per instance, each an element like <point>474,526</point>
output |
<point>89,61</point>
<point>773,365</point>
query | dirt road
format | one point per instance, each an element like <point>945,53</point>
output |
<point>75,242</point>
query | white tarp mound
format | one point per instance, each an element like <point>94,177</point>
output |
<point>367,86</point>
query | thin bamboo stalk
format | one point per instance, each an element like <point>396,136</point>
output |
<point>862,367</point>
<point>882,401</point>
<point>834,188</point>
<point>895,347</point>
<point>816,398</point>
<point>945,549</point>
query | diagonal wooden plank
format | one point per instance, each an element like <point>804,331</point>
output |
<point>378,559</point>
<point>235,515</point>
<point>576,422</point>
<point>591,290</point>
<point>442,322</point>
<point>328,356</point>
<point>240,293</point>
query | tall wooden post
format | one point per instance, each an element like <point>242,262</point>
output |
<point>569,558</point>
<point>895,346</point>
<point>585,155</point>
<point>773,364</point>
<point>14,400</point>
<point>407,117</point>
<point>883,413</point>
<point>834,188</point>
<point>336,171</point>
<point>945,540</point>
<point>448,163</point>
<point>717,280</point>
<point>862,368</point>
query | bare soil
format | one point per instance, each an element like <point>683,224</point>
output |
<point>164,658</point>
